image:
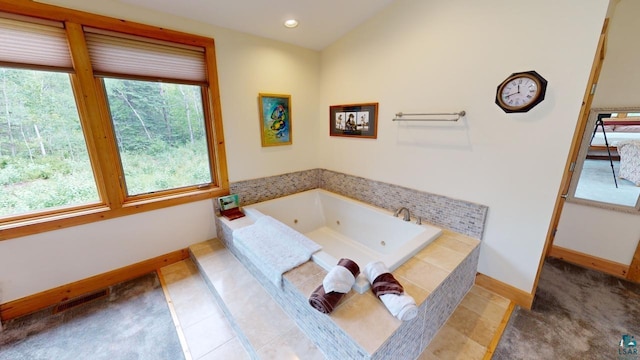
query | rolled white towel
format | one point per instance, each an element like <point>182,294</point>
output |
<point>338,279</point>
<point>402,306</point>
<point>375,269</point>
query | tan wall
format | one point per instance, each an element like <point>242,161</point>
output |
<point>247,65</point>
<point>450,55</point>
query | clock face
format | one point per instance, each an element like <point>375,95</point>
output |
<point>521,91</point>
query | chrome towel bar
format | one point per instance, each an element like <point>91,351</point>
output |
<point>401,116</point>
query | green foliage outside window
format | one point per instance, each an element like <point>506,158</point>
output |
<point>160,132</point>
<point>44,161</point>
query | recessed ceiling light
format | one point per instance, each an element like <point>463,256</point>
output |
<point>291,23</point>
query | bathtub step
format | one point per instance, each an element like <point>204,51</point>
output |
<point>263,327</point>
<point>197,316</point>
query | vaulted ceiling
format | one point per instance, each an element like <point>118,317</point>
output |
<point>321,22</point>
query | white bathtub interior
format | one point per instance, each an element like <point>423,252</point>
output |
<point>346,228</point>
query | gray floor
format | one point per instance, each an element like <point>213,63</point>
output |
<point>577,314</point>
<point>133,322</point>
<point>597,183</point>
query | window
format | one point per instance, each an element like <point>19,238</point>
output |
<point>97,121</point>
<point>604,175</point>
<point>161,135</point>
<point>159,122</point>
<point>44,162</point>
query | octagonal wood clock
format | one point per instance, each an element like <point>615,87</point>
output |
<point>521,91</point>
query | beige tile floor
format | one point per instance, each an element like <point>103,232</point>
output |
<point>474,328</point>
<point>202,324</point>
<point>264,324</point>
<point>468,334</point>
<point>207,332</point>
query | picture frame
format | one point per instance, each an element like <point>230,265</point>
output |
<point>230,206</point>
<point>229,202</point>
<point>354,120</point>
<point>275,119</point>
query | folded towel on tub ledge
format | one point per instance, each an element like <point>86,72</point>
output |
<point>333,288</point>
<point>273,247</point>
<point>385,286</point>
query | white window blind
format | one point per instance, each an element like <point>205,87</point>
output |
<point>120,54</point>
<point>34,42</point>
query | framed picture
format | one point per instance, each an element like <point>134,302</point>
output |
<point>275,119</point>
<point>228,202</point>
<point>230,207</point>
<point>355,120</point>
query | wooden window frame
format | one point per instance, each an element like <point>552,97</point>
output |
<point>96,123</point>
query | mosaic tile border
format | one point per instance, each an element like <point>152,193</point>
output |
<point>408,341</point>
<point>271,187</point>
<point>457,215</point>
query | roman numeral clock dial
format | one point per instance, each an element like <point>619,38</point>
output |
<point>521,91</point>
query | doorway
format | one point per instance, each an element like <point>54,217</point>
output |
<point>568,237</point>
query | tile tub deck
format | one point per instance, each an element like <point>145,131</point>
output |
<point>360,327</point>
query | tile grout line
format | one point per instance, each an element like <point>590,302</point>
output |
<point>174,317</point>
<point>275,338</point>
<point>237,329</point>
<point>217,348</point>
<point>499,331</point>
<point>488,302</point>
<point>490,348</point>
<point>462,335</point>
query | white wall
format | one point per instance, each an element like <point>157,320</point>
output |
<point>35,263</point>
<point>619,83</point>
<point>247,65</point>
<point>450,55</point>
<point>599,232</point>
<point>603,233</point>
<point>416,56</point>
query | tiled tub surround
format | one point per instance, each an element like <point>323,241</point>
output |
<point>460,216</point>
<point>335,222</point>
<point>267,188</point>
<point>360,327</point>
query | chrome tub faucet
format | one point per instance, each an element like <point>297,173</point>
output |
<point>407,215</point>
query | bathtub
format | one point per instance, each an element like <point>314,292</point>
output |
<point>346,228</point>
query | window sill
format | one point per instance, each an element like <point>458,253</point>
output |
<point>61,220</point>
